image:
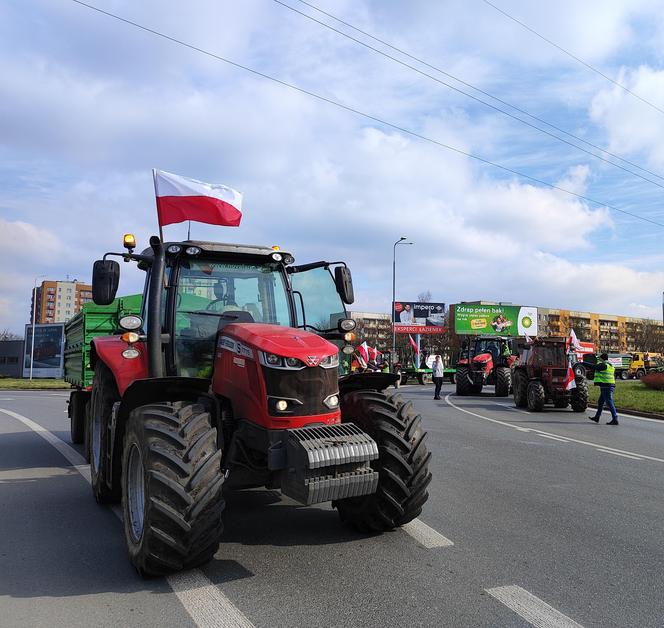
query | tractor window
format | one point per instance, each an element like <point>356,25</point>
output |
<point>322,304</point>
<point>208,289</point>
<point>550,355</point>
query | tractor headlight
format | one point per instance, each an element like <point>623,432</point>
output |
<point>130,323</point>
<point>332,401</point>
<point>174,249</point>
<point>281,405</point>
<point>272,360</point>
<point>330,362</point>
<point>347,324</point>
<point>131,354</point>
<point>192,250</point>
<point>294,363</point>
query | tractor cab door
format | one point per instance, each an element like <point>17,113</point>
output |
<point>318,296</point>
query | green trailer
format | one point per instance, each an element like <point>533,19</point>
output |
<point>92,321</point>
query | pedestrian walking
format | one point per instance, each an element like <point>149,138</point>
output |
<point>605,378</point>
<point>438,373</point>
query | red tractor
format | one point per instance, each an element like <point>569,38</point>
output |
<point>484,360</point>
<point>229,379</point>
<point>542,375</point>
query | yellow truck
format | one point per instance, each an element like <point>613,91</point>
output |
<point>644,362</point>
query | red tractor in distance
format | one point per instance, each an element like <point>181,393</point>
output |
<point>484,360</point>
<point>229,379</point>
<point>542,375</point>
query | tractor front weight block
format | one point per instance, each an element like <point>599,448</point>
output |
<point>325,463</point>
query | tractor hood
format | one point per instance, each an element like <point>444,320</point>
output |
<point>286,342</point>
<point>481,358</point>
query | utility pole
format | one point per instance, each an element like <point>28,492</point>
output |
<point>394,275</point>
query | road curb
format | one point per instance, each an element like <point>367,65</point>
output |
<point>645,415</point>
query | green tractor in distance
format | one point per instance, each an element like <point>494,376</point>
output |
<point>542,375</point>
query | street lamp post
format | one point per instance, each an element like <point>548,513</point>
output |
<point>394,274</point>
<point>34,315</point>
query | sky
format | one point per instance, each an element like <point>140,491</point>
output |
<point>89,105</point>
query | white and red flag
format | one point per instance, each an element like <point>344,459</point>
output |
<point>569,380</point>
<point>373,353</point>
<point>573,341</point>
<point>181,198</point>
<point>363,350</point>
<point>413,344</point>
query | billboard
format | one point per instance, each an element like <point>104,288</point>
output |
<point>495,320</point>
<point>48,351</point>
<point>418,318</point>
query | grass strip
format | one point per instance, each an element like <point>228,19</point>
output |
<point>9,383</point>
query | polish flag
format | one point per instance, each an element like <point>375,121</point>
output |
<point>373,353</point>
<point>180,198</point>
<point>573,341</point>
<point>569,380</point>
<point>363,350</point>
<point>413,344</point>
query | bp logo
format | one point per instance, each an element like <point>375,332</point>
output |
<point>526,322</point>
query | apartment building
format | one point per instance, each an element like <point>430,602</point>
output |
<point>375,328</point>
<point>608,332</point>
<point>58,301</point>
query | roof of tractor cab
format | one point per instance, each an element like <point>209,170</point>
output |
<point>222,247</point>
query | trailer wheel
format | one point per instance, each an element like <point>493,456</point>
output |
<point>104,395</point>
<point>520,389</point>
<point>77,404</point>
<point>579,396</point>
<point>403,463</point>
<point>623,375</point>
<point>453,378</point>
<point>171,480</point>
<point>640,373</point>
<point>536,396</point>
<point>503,381</point>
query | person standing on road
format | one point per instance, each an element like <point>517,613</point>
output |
<point>605,378</point>
<point>437,372</point>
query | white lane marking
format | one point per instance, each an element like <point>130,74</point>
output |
<point>535,611</point>
<point>536,431</point>
<point>425,535</point>
<point>560,439</point>
<point>615,453</point>
<point>203,601</point>
<point>206,603</point>
<point>629,416</point>
<point>6,398</point>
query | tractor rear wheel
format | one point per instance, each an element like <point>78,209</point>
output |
<point>520,389</point>
<point>503,381</point>
<point>402,465</point>
<point>579,396</point>
<point>536,396</point>
<point>171,481</point>
<point>104,395</point>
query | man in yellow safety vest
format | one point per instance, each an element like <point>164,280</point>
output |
<point>605,378</point>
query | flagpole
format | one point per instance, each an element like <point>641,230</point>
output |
<point>156,197</point>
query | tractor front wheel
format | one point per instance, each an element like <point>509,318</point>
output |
<point>536,396</point>
<point>402,465</point>
<point>463,384</point>
<point>579,396</point>
<point>503,381</point>
<point>520,389</point>
<point>104,395</point>
<point>171,481</point>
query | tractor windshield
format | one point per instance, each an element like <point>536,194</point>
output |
<point>207,289</point>
<point>549,355</point>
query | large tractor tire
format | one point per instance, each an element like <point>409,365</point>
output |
<point>77,405</point>
<point>520,389</point>
<point>503,381</point>
<point>104,395</point>
<point>579,396</point>
<point>536,396</point>
<point>402,465</point>
<point>463,386</point>
<point>171,481</point>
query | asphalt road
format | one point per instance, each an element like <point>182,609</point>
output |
<point>534,519</point>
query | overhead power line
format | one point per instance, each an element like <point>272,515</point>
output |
<point>362,114</point>
<point>475,98</point>
<point>573,56</point>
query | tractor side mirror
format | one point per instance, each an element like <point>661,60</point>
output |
<point>105,281</point>
<point>344,283</point>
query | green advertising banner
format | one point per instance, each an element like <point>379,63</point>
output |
<point>495,320</point>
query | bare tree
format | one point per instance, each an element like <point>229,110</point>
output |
<point>650,336</point>
<point>424,297</point>
<point>6,334</point>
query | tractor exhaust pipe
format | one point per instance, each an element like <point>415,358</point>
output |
<point>155,361</point>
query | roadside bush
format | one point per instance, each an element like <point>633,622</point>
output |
<point>654,380</point>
